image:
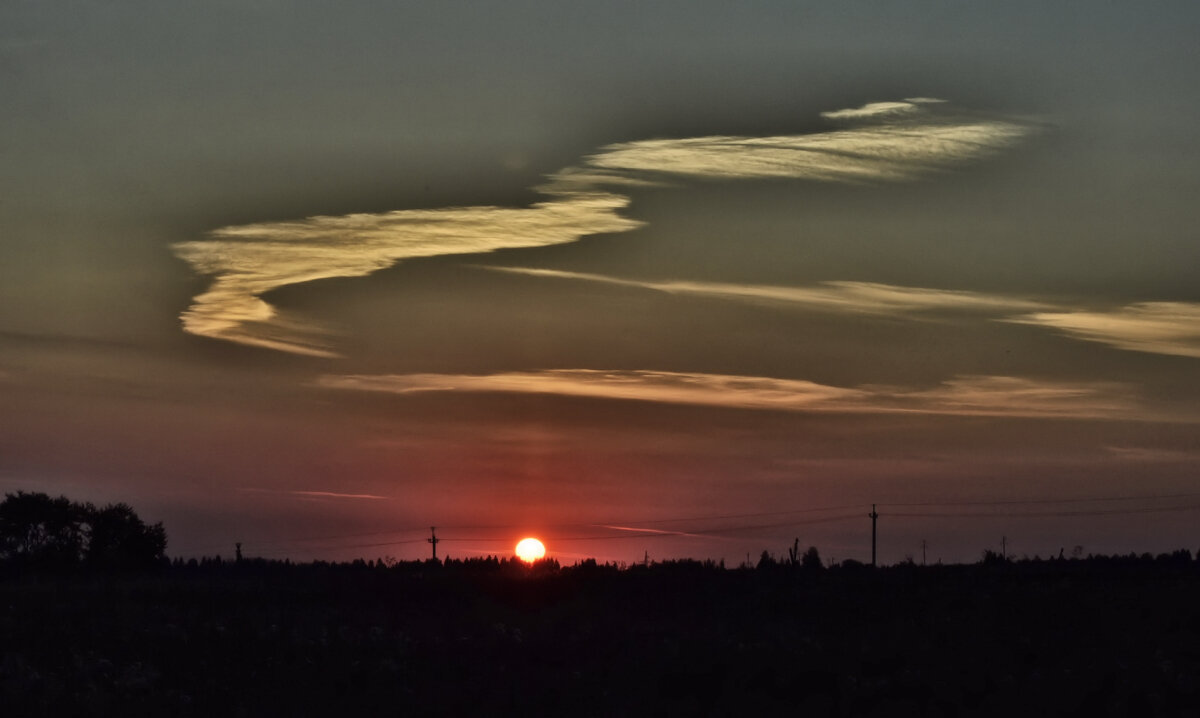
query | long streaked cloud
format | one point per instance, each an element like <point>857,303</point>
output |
<point>1001,396</point>
<point>641,530</point>
<point>841,296</point>
<point>882,142</point>
<point>1171,328</point>
<point>1142,454</point>
<point>894,141</point>
<point>316,494</point>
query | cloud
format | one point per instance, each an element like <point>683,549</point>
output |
<point>664,387</point>
<point>962,396</point>
<point>636,529</point>
<point>874,110</point>
<point>1141,454</point>
<point>895,141</point>
<point>852,297</point>
<point>1016,396</point>
<point>317,494</point>
<point>248,261</point>
<point>1171,328</point>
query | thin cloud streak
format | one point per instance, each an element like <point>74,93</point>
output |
<point>839,296</point>
<point>1000,396</point>
<point>1141,454</point>
<point>1171,328</point>
<point>316,494</point>
<point>897,141</point>
<point>663,532</point>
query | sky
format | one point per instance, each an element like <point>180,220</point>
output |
<point>645,280</point>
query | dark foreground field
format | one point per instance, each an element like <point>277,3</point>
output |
<point>1088,638</point>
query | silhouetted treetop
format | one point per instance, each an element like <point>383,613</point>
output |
<point>37,529</point>
<point>118,538</point>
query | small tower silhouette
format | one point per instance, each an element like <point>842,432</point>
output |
<point>874,516</point>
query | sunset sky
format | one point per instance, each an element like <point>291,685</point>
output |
<point>676,279</point>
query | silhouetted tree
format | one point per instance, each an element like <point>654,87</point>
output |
<point>811,561</point>
<point>993,558</point>
<point>38,530</point>
<point>118,538</point>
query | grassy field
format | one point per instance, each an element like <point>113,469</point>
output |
<point>1113,636</point>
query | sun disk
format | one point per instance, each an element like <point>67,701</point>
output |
<point>530,550</point>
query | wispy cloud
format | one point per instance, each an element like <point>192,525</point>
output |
<point>876,143</point>
<point>1142,454</point>
<point>894,141</point>
<point>316,494</point>
<point>961,396</point>
<point>876,110</point>
<point>1171,328</point>
<point>250,260</point>
<point>664,387</point>
<point>1016,396</point>
<point>853,297</point>
<point>636,529</point>
<point>1156,327</point>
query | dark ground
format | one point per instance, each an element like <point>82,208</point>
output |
<point>1097,637</point>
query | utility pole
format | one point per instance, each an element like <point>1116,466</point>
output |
<point>1004,547</point>
<point>874,515</point>
<point>922,552</point>
<point>433,540</point>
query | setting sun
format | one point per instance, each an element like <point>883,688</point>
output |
<point>530,550</point>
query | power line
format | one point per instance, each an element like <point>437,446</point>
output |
<point>277,546</point>
<point>1013,502</point>
<point>700,533</point>
<point>1048,514</point>
<point>679,519</point>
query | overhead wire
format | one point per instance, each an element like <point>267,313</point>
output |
<point>277,546</point>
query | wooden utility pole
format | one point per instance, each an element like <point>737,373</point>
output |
<point>874,515</point>
<point>922,552</point>
<point>433,540</point>
<point>1004,547</point>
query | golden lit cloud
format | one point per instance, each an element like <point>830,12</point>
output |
<point>961,396</point>
<point>852,297</point>
<point>1156,327</point>
<point>1015,396</point>
<point>876,110</point>
<point>251,260</point>
<point>664,387</point>
<point>893,141</point>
